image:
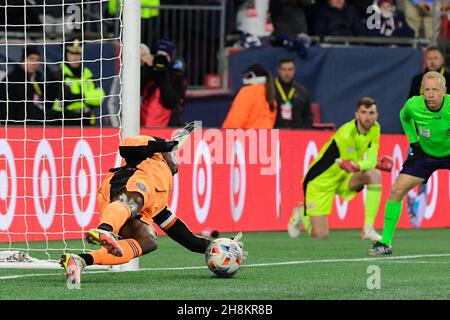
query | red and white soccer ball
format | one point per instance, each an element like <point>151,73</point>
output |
<point>223,257</point>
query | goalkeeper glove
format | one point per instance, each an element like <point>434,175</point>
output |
<point>237,238</point>
<point>348,165</point>
<point>385,163</point>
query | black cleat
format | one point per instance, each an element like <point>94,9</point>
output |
<point>380,249</point>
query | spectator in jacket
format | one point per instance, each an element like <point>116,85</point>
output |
<point>254,106</point>
<point>393,22</point>
<point>294,105</point>
<point>23,95</point>
<point>337,18</point>
<point>434,61</point>
<point>419,15</point>
<point>289,16</point>
<point>161,90</point>
<point>79,94</point>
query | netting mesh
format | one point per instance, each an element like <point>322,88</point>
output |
<point>60,102</point>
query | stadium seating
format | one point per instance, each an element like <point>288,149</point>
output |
<point>317,119</point>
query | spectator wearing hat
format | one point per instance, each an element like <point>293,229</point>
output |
<point>393,22</point>
<point>24,97</point>
<point>254,105</point>
<point>79,95</point>
<point>163,86</point>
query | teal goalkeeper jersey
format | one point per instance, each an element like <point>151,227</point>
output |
<point>430,128</point>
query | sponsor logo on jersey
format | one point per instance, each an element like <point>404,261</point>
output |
<point>424,133</point>
<point>141,186</point>
<point>351,149</point>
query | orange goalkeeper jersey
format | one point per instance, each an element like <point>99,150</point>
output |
<point>152,178</point>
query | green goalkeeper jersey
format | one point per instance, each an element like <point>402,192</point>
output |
<point>430,128</point>
<point>346,144</point>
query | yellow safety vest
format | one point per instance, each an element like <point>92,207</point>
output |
<point>146,13</point>
<point>92,96</point>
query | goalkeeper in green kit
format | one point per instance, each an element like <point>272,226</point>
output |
<point>426,122</point>
<point>341,169</point>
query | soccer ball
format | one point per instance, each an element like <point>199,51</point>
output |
<point>223,257</point>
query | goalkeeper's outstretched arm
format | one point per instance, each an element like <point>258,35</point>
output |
<point>177,230</point>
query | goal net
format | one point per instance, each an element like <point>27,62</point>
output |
<point>60,101</point>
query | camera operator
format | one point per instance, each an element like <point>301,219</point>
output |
<point>162,88</point>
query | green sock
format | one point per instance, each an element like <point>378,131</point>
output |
<point>391,217</point>
<point>373,197</point>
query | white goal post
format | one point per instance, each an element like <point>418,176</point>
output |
<point>49,167</point>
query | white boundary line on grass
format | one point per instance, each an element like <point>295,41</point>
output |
<point>270,264</point>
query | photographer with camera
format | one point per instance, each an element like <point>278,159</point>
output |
<point>163,86</point>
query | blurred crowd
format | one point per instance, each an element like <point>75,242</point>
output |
<point>399,18</point>
<point>287,20</point>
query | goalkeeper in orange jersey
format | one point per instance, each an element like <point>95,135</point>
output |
<point>131,197</point>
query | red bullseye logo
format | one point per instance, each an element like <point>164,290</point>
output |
<point>397,158</point>
<point>202,181</point>
<point>44,184</point>
<point>238,180</point>
<point>278,181</point>
<point>83,183</point>
<point>310,155</point>
<point>8,185</point>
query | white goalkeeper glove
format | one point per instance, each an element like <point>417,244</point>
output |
<point>182,135</point>
<point>237,238</point>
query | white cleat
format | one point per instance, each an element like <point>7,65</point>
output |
<point>295,222</point>
<point>74,265</point>
<point>369,233</point>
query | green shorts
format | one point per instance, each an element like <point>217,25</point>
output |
<point>319,198</point>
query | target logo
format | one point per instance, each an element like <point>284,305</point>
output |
<point>83,184</point>
<point>278,181</point>
<point>310,155</point>
<point>238,180</point>
<point>341,207</point>
<point>397,158</point>
<point>44,184</point>
<point>8,185</point>
<point>202,181</point>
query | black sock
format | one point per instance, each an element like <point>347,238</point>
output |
<point>106,227</point>
<point>89,259</point>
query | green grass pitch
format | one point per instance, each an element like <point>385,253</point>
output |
<point>277,268</point>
